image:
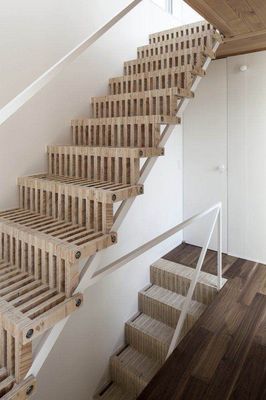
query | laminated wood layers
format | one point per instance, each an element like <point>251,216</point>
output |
<point>199,28</point>
<point>158,80</point>
<point>22,230</point>
<point>150,102</point>
<point>101,191</point>
<point>119,165</point>
<point>149,336</point>
<point>132,370</point>
<point>184,58</point>
<point>177,278</point>
<point>165,306</point>
<point>139,131</point>
<point>178,44</point>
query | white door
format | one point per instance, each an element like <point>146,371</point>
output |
<point>205,152</point>
<point>247,157</point>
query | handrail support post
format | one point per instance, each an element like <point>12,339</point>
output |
<point>219,249</point>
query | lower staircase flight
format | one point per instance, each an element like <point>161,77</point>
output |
<point>149,333</point>
<point>66,214</point>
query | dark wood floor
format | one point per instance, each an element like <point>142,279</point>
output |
<point>224,355</point>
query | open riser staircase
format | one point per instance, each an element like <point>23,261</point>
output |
<point>149,333</point>
<point>66,215</point>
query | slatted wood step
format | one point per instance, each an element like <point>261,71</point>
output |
<point>132,370</point>
<point>27,306</point>
<point>188,57</point>
<point>7,381</point>
<point>68,200</point>
<point>150,102</point>
<point>120,165</point>
<point>120,131</point>
<point>20,391</point>
<point>181,77</point>
<point>114,392</point>
<point>165,306</point>
<point>177,278</point>
<point>51,186</point>
<point>149,336</point>
<point>64,240</point>
<point>197,40</point>
<point>199,28</point>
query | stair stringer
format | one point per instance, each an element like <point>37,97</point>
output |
<point>90,266</point>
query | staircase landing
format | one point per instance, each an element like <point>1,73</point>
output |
<point>223,357</point>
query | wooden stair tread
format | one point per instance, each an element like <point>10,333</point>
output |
<point>28,299</point>
<point>130,362</point>
<point>172,299</point>
<point>106,191</point>
<point>6,384</point>
<point>136,131</point>
<point>181,42</point>
<point>155,80</point>
<point>158,60</point>
<point>53,232</point>
<point>174,91</point>
<point>107,151</point>
<point>186,272</point>
<point>115,392</point>
<point>152,327</point>
<point>145,119</point>
<point>181,31</point>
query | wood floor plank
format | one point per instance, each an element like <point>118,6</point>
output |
<point>171,380</point>
<point>252,378</point>
<point>194,390</point>
<point>229,369</point>
<point>188,255</point>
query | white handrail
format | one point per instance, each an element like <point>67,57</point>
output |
<point>147,246</point>
<point>10,108</point>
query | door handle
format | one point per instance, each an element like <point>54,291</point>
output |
<point>221,168</point>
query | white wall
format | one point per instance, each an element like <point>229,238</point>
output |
<point>226,122</point>
<point>247,157</point>
<point>205,148</point>
<point>33,37</point>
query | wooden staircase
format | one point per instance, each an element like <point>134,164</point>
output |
<point>66,214</point>
<point>148,334</point>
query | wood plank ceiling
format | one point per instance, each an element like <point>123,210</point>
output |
<point>243,23</point>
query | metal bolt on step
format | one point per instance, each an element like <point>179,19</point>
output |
<point>114,197</point>
<point>141,153</point>
<point>78,255</point>
<point>29,333</point>
<point>113,238</point>
<point>78,302</point>
<point>141,190</point>
<point>29,390</point>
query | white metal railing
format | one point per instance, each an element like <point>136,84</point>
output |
<point>181,320</point>
<point>10,108</point>
<point>149,245</point>
<point>217,209</point>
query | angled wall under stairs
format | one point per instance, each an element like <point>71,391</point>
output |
<point>148,334</point>
<point>66,214</point>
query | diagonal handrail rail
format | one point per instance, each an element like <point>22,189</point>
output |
<point>159,239</point>
<point>17,102</point>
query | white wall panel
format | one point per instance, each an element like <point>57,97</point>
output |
<point>205,148</point>
<point>247,157</point>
